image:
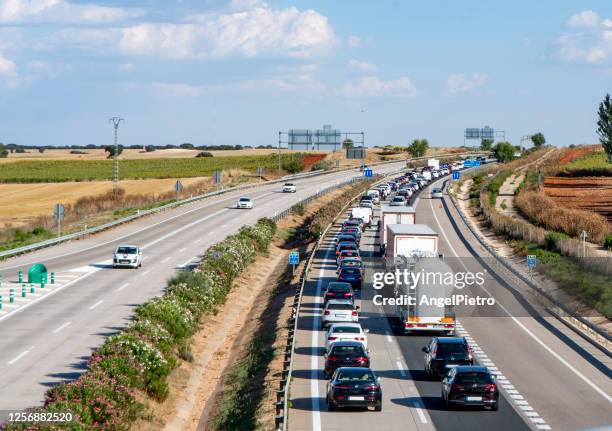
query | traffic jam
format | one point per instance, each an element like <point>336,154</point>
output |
<point>352,379</point>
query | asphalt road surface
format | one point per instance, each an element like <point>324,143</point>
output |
<point>49,340</point>
<point>550,378</point>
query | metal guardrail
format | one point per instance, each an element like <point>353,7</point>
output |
<point>601,339</point>
<point>283,392</point>
<point>139,214</point>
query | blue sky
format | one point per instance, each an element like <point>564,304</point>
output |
<point>215,72</point>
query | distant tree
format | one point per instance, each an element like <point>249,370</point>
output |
<point>187,146</point>
<point>294,165</point>
<point>3,152</point>
<point>538,140</point>
<point>110,149</point>
<point>419,147</point>
<point>90,146</point>
<point>348,143</point>
<point>41,150</point>
<point>204,154</point>
<point>486,144</point>
<point>20,150</point>
<point>504,151</point>
<point>149,148</point>
<point>604,126</point>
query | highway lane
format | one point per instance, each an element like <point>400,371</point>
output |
<point>549,371</point>
<point>50,341</point>
<point>409,400</point>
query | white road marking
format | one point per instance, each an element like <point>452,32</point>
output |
<point>96,304</point>
<point>181,250</point>
<point>145,273</point>
<point>389,339</point>
<point>19,356</point>
<point>526,407</point>
<point>523,327</point>
<point>400,368</point>
<point>419,410</point>
<point>61,327</point>
<point>165,259</point>
<point>122,287</point>
<point>197,240</point>
<point>543,427</point>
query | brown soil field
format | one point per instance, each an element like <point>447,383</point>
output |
<point>22,203</point>
<point>587,193</point>
<point>572,154</point>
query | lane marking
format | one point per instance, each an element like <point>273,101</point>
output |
<point>61,327</point>
<point>96,304</point>
<point>165,259</point>
<point>389,339</point>
<point>145,273</point>
<point>19,356</point>
<point>400,368</point>
<point>122,287</point>
<point>520,324</point>
<point>181,250</point>
<point>419,410</point>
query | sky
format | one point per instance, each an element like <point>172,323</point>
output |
<point>212,72</point>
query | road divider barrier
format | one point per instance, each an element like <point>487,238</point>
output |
<point>11,295</point>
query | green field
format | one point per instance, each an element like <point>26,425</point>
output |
<point>40,171</point>
<point>595,164</point>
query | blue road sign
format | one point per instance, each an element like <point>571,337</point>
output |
<point>471,163</point>
<point>367,172</point>
<point>456,175</point>
<point>294,258</point>
<point>531,261</point>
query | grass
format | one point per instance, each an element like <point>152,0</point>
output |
<point>40,171</point>
<point>595,164</point>
<point>590,287</point>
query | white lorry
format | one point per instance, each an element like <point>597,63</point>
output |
<point>422,310</point>
<point>393,215</point>
<point>409,240</point>
<point>426,174</point>
<point>364,213</point>
<point>434,164</point>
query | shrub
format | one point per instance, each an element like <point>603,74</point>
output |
<point>204,154</point>
<point>294,165</point>
<point>608,241</point>
<point>552,239</point>
<point>149,148</point>
<point>324,164</point>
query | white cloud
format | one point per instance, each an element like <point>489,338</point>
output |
<point>372,86</point>
<point>591,45</point>
<point>60,11</point>
<point>8,72</point>
<point>353,41</point>
<point>607,23</point>
<point>461,83</point>
<point>584,19</point>
<point>361,66</point>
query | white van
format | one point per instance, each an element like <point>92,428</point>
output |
<point>363,213</point>
<point>375,195</point>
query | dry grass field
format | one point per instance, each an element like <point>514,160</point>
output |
<point>586,193</point>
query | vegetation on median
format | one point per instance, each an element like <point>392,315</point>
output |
<point>140,358</point>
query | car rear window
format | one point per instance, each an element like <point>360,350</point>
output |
<point>451,349</point>
<point>355,376</point>
<point>127,250</point>
<point>339,288</point>
<point>473,377</point>
<point>350,271</point>
<point>345,330</point>
<point>347,350</point>
<point>339,307</point>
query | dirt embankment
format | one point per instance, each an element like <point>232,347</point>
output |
<point>586,193</point>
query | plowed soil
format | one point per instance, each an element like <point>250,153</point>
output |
<point>587,193</point>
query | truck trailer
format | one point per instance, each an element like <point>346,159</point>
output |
<point>410,239</point>
<point>393,215</point>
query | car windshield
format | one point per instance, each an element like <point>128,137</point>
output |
<point>398,199</point>
<point>355,376</point>
<point>474,377</point>
<point>127,250</point>
<point>245,199</point>
<point>345,330</point>
<point>446,350</point>
<point>289,184</point>
<point>348,350</point>
<point>339,307</point>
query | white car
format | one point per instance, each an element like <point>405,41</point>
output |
<point>339,310</point>
<point>345,332</point>
<point>127,255</point>
<point>375,194</point>
<point>398,201</point>
<point>436,193</point>
<point>246,203</point>
<point>289,188</point>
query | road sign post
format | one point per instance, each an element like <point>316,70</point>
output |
<point>456,175</point>
<point>178,188</point>
<point>367,173</point>
<point>583,238</point>
<point>294,260</point>
<point>531,263</point>
<point>58,212</point>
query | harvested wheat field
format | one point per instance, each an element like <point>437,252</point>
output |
<point>587,193</point>
<point>22,203</point>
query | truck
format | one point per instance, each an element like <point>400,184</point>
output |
<point>434,164</point>
<point>364,213</point>
<point>420,310</point>
<point>410,239</point>
<point>427,175</point>
<point>393,215</point>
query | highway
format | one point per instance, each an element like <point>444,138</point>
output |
<point>48,338</point>
<point>550,378</point>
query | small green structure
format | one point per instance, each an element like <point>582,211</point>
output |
<point>37,273</point>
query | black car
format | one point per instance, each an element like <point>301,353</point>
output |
<point>470,386</point>
<point>351,275</point>
<point>345,354</point>
<point>444,353</point>
<point>338,290</point>
<point>349,237</point>
<point>354,387</point>
<point>346,245</point>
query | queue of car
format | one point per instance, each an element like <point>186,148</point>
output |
<point>352,382</point>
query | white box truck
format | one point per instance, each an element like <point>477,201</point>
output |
<point>411,239</point>
<point>363,213</point>
<point>421,309</point>
<point>433,164</point>
<point>393,215</point>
